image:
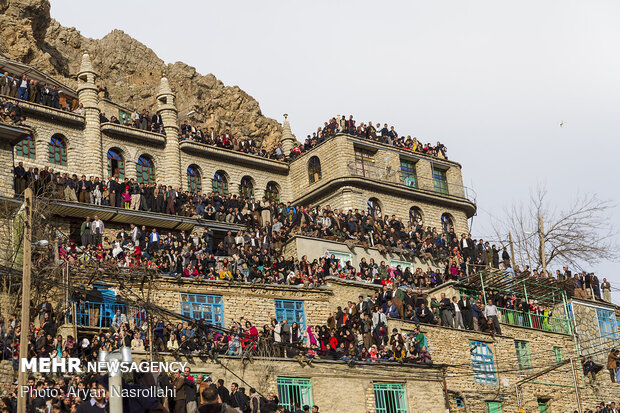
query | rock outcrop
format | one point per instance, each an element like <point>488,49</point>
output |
<point>129,71</point>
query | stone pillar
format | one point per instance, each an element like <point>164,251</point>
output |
<point>287,140</point>
<point>91,146</point>
<point>170,168</point>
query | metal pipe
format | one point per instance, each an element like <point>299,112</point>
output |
<point>572,364</point>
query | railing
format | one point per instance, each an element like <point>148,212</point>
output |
<point>537,321</point>
<point>102,315</point>
<point>393,175</point>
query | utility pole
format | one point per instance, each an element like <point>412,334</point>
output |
<point>25,320</point>
<point>512,250</point>
<point>541,236</point>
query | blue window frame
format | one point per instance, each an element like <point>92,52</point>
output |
<point>145,171</point>
<point>291,311</point>
<point>294,390</point>
<point>482,363</point>
<point>390,398</point>
<point>206,307</point>
<point>607,323</point>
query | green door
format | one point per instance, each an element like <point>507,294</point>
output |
<point>542,407</point>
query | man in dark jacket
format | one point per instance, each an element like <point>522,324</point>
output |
<point>465,307</point>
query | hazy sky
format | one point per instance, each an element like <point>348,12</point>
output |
<point>491,80</point>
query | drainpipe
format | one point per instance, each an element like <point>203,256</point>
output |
<point>445,389</point>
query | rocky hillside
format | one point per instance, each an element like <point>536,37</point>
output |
<point>129,71</point>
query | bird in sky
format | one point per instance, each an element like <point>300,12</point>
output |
<point>561,124</point>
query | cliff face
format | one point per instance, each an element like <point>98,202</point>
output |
<point>128,70</point>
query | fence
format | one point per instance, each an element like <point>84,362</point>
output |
<point>537,321</point>
<point>103,315</point>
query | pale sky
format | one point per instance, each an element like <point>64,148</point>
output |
<point>491,80</point>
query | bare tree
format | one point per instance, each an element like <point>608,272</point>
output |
<point>578,232</point>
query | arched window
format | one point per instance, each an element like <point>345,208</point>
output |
<point>374,208</point>
<point>482,363</point>
<point>246,187</point>
<point>58,150</point>
<point>314,169</point>
<point>447,222</point>
<point>415,215</point>
<point>116,163</point>
<point>219,183</point>
<point>25,148</point>
<point>272,192</point>
<point>194,180</point>
<point>145,170</point>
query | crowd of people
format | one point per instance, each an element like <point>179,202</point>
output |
<point>138,120</point>
<point>228,140</point>
<point>11,113</point>
<point>33,91</point>
<point>386,135</point>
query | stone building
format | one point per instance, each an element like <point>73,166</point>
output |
<point>532,367</point>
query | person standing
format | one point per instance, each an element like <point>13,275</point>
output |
<point>86,232</point>
<point>491,313</point>
<point>445,310</point>
<point>606,287</point>
<point>179,396</point>
<point>612,363</point>
<point>466,310</point>
<point>458,316</point>
<point>97,231</point>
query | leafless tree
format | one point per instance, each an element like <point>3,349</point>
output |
<point>578,232</point>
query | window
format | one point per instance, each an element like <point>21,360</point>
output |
<point>557,352</point>
<point>145,171</point>
<point>219,183</point>
<point>58,150</point>
<point>293,390</point>
<point>343,257</point>
<point>374,208</point>
<point>447,222</point>
<point>440,180</point>
<point>272,193</point>
<point>523,355</point>
<point>314,169</point>
<point>291,311</point>
<point>246,187</point>
<point>194,181</point>
<point>459,402</point>
<point>407,173</point>
<point>482,363</point>
<point>364,163</point>
<point>390,398</point>
<point>206,307</point>
<point>494,407</point>
<point>25,147</point>
<point>607,323</point>
<point>415,214</point>
<point>116,163</point>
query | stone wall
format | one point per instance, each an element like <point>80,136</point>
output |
<point>299,246</point>
<point>336,387</point>
<point>451,347</point>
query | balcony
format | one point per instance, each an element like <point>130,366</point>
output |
<point>412,182</point>
<point>234,157</point>
<point>126,132</point>
<point>47,112</point>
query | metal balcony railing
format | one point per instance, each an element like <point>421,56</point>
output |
<point>537,321</point>
<point>102,315</point>
<point>396,176</point>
